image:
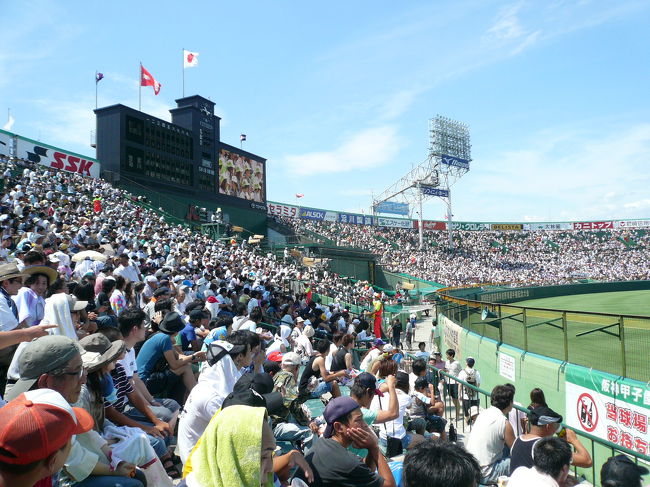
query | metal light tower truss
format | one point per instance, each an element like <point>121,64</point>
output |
<point>451,148</point>
<point>449,157</point>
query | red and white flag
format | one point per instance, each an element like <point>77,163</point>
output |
<point>190,59</point>
<point>299,195</point>
<point>147,80</point>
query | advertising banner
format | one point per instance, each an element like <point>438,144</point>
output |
<point>454,161</point>
<point>393,222</point>
<point>430,225</point>
<point>312,214</point>
<point>392,207</point>
<point>630,223</point>
<point>451,333</point>
<point>507,226</point>
<point>54,158</point>
<point>592,225</point>
<point>355,219</point>
<point>280,209</point>
<point>470,226</point>
<point>609,407</point>
<point>431,191</point>
<point>548,226</point>
<point>507,366</point>
<point>331,216</point>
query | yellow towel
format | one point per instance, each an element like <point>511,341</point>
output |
<point>230,450</point>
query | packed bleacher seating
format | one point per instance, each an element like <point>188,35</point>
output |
<point>503,257</point>
<point>149,354</point>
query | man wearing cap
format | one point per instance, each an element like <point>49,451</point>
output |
<point>544,423</point>
<point>178,377</point>
<point>151,284</point>
<point>11,334</point>
<point>285,427</point>
<point>333,465</point>
<point>36,430</point>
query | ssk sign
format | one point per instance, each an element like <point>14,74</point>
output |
<point>56,158</point>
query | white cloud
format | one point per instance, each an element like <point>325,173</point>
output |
<point>397,104</point>
<point>596,176</point>
<point>367,149</point>
<point>507,25</point>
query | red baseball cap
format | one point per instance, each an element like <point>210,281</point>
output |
<point>38,423</point>
<point>275,357</point>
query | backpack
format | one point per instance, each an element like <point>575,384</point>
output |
<point>471,380</point>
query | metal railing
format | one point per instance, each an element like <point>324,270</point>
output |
<point>599,449</point>
<point>570,336</point>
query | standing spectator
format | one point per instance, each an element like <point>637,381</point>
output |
<point>396,330</point>
<point>490,433</point>
<point>473,378</point>
<point>395,428</point>
<point>452,367</point>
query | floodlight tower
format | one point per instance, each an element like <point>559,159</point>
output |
<point>450,147</point>
<point>448,160</point>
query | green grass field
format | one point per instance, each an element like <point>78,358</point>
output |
<point>625,302</point>
<point>544,335</point>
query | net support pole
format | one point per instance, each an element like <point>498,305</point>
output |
<point>565,333</point>
<point>621,333</point>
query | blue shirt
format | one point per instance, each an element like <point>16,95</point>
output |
<point>187,335</point>
<point>152,350</point>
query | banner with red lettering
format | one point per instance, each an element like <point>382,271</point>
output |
<point>280,209</point>
<point>610,407</point>
<point>430,225</point>
<point>56,158</point>
<point>593,225</point>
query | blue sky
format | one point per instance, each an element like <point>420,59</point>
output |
<point>337,95</point>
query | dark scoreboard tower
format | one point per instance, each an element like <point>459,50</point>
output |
<point>181,159</point>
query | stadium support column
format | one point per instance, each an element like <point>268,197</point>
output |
<point>449,216</point>
<point>420,229</point>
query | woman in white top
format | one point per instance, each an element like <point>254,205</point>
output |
<point>395,428</point>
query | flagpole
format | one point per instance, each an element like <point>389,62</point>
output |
<point>140,88</point>
<point>96,83</point>
<point>183,66</point>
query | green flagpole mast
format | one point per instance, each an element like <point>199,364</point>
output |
<point>183,67</point>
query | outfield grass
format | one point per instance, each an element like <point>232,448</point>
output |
<point>622,302</point>
<point>599,350</point>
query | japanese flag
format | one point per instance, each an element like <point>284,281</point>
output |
<point>190,59</point>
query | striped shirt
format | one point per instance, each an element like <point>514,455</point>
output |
<point>122,387</point>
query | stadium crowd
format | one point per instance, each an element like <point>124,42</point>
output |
<point>134,352</point>
<point>500,257</point>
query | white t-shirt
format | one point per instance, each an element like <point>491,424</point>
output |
<point>514,417</point>
<point>531,477</point>
<point>372,355</point>
<point>129,363</point>
<point>453,368</point>
<point>330,356</point>
<point>396,425</point>
<point>487,438</point>
<point>252,303</point>
<point>238,321</point>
